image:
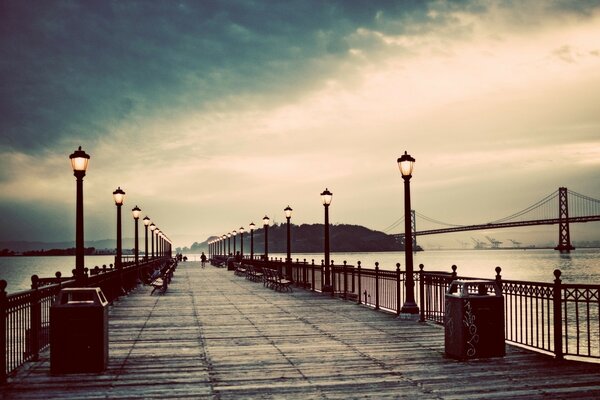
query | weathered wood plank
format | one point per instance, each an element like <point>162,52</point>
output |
<point>219,336</point>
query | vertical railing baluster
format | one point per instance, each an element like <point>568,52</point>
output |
<point>36,320</point>
<point>332,269</point>
<point>359,287</point>
<point>322,274</point>
<point>398,300</point>
<point>377,286</point>
<point>3,333</point>
<point>421,293</point>
<point>345,281</point>
<point>312,272</point>
<point>558,339</point>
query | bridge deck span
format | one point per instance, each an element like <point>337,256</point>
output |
<point>215,335</point>
<point>500,225</point>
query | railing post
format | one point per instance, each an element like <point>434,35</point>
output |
<point>35,319</point>
<point>312,272</point>
<point>332,279</point>
<point>322,274</point>
<point>558,342</point>
<point>421,293</point>
<point>3,312</point>
<point>398,302</point>
<point>345,281</point>
<point>359,293</point>
<point>377,286</point>
<point>304,275</point>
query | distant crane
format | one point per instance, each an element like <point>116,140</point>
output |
<point>462,244</point>
<point>517,244</point>
<point>479,244</point>
<point>495,243</point>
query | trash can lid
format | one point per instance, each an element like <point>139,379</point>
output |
<point>474,288</point>
<point>80,296</point>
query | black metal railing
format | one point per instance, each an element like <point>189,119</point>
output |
<point>556,318</point>
<point>25,315</point>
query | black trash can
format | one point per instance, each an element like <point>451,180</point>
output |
<point>474,320</point>
<point>79,331</point>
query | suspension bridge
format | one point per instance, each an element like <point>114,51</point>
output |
<point>561,208</point>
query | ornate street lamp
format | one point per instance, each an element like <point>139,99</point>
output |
<point>266,221</point>
<point>136,216</point>
<point>252,226</point>
<point>119,196</point>
<point>288,261</point>
<point>234,233</point>
<point>79,163</point>
<point>405,163</point>
<point>326,197</point>
<point>242,241</point>
<point>158,249</point>
<point>224,241</point>
<point>146,223</point>
<point>152,229</point>
<point>228,243</point>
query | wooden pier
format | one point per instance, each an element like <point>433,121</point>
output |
<point>219,336</point>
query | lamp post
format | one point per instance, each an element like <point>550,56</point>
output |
<point>405,163</point>
<point>228,243</point>
<point>152,229</point>
<point>242,241</point>
<point>288,261</point>
<point>326,197</point>
<point>158,248</point>
<point>146,223</point>
<point>266,221</point>
<point>223,240</point>
<point>252,226</point>
<point>79,163</point>
<point>119,196</point>
<point>234,233</point>
<point>136,216</point>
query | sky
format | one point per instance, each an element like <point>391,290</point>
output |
<point>212,114</point>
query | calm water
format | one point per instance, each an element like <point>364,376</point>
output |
<point>17,271</point>
<point>581,266</point>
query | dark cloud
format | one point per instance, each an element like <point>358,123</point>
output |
<point>72,69</point>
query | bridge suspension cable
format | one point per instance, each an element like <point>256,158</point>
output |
<point>545,209</point>
<point>543,205</point>
<point>582,205</point>
<point>435,221</point>
<point>394,224</point>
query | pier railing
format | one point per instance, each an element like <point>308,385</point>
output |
<point>549,317</point>
<point>25,315</point>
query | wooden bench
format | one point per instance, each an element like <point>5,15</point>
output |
<point>162,282</point>
<point>275,281</point>
<point>240,269</point>
<point>254,273</point>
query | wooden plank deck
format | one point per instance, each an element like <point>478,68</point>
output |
<point>219,336</point>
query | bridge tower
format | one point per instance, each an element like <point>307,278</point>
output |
<point>564,238</point>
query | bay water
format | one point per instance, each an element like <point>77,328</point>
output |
<point>579,266</point>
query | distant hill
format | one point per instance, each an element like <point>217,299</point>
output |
<point>22,246</point>
<point>308,238</point>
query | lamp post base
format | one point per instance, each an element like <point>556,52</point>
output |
<point>410,308</point>
<point>327,289</point>
<point>408,316</point>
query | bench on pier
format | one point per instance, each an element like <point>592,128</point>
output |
<point>240,269</point>
<point>274,280</point>
<point>254,273</point>
<point>218,262</point>
<point>162,281</point>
